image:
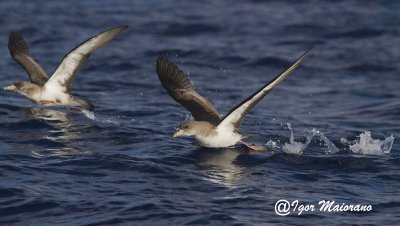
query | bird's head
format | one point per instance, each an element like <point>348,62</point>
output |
<point>193,128</point>
<point>187,128</point>
<point>24,88</point>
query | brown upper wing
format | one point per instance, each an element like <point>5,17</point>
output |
<point>19,51</point>
<point>179,87</point>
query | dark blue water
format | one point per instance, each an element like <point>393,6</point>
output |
<point>124,167</point>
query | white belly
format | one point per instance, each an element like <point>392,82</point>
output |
<point>35,98</point>
<point>220,140</point>
<point>55,95</point>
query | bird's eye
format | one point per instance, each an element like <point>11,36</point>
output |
<point>185,127</point>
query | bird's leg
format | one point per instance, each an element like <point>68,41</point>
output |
<point>72,110</point>
<point>253,147</point>
<point>46,102</point>
<point>58,103</point>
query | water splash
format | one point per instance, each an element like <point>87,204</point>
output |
<point>369,146</point>
<point>188,116</point>
<point>271,144</point>
<point>330,147</point>
<point>90,115</point>
<point>295,147</point>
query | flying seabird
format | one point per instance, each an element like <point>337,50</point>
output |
<point>56,90</point>
<point>208,128</point>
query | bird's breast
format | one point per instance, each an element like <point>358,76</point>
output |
<point>219,140</point>
<point>55,95</point>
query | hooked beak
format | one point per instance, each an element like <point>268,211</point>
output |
<point>12,87</point>
<point>179,133</point>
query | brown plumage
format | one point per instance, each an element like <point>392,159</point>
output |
<point>208,128</point>
<point>55,91</point>
<point>19,51</point>
<point>179,87</point>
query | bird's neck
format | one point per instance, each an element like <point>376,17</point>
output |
<point>206,129</point>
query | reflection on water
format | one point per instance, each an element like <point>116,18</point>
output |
<point>220,166</point>
<point>63,131</point>
<point>43,113</point>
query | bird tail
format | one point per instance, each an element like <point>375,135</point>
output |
<point>83,103</point>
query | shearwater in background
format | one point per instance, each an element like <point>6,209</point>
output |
<point>55,91</point>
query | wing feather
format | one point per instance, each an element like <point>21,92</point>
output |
<point>181,90</point>
<point>73,62</point>
<point>19,51</point>
<point>232,121</point>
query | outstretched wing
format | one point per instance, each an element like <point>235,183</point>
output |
<point>19,51</point>
<point>72,63</point>
<point>235,117</point>
<point>179,87</point>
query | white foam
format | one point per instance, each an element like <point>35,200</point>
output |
<point>295,147</point>
<point>330,147</point>
<point>369,146</point>
<point>271,144</point>
<point>88,114</point>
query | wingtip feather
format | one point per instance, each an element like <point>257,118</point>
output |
<point>121,28</point>
<point>17,44</point>
<point>117,30</point>
<point>304,54</point>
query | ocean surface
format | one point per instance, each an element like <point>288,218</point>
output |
<point>331,130</point>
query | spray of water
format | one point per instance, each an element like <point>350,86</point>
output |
<point>330,147</point>
<point>90,115</point>
<point>368,146</point>
<point>296,147</point>
<point>365,145</point>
